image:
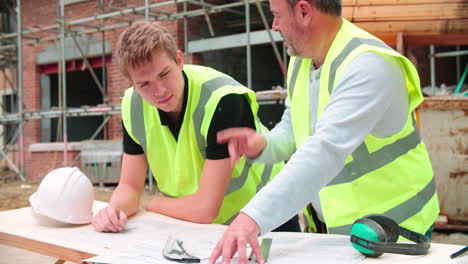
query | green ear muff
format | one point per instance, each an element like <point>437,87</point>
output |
<point>371,232</point>
<point>374,235</point>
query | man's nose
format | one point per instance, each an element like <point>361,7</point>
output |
<point>158,90</point>
<point>275,25</point>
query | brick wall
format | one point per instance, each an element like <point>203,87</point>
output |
<point>38,164</point>
<point>44,12</point>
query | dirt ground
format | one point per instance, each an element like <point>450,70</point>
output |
<point>14,194</point>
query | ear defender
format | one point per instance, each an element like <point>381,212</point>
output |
<point>374,235</point>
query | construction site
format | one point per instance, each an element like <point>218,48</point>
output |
<point>61,89</point>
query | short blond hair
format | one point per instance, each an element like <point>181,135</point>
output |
<point>137,43</point>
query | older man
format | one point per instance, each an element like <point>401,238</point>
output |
<point>348,131</point>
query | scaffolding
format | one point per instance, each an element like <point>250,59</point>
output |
<point>110,17</point>
<point>433,55</point>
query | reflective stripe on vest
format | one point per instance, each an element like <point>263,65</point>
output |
<point>267,170</point>
<point>296,69</point>
<point>401,212</point>
<point>379,158</point>
<point>352,45</point>
<point>138,119</point>
<point>207,89</point>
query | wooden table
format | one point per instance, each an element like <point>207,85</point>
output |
<point>75,243</point>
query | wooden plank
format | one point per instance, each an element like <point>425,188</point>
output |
<point>444,103</point>
<point>400,44</point>
<point>389,39</point>
<point>417,27</point>
<point>407,12</point>
<point>346,3</point>
<point>438,40</point>
<point>425,40</point>
<point>420,33</point>
<point>44,248</point>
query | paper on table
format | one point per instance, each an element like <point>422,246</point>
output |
<point>461,260</point>
<point>140,232</point>
<point>305,248</point>
<point>143,254</point>
<point>150,251</point>
<point>286,248</point>
<point>144,238</point>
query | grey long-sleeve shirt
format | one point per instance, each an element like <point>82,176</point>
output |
<point>371,98</point>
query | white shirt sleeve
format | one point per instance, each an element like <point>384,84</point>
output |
<point>280,140</point>
<point>371,98</point>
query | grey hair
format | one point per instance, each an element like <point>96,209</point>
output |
<point>332,7</point>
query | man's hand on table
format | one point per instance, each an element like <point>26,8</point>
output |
<point>109,219</point>
<point>242,230</point>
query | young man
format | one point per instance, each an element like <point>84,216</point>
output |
<point>171,117</point>
<point>348,131</point>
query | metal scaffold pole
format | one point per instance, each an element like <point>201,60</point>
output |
<point>20,89</point>
<point>457,59</point>
<point>150,175</point>
<point>432,65</point>
<point>248,47</point>
<point>147,10</point>
<point>186,54</point>
<point>273,43</point>
<point>103,57</point>
<point>64,81</point>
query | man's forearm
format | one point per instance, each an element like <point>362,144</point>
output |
<point>189,208</point>
<point>126,199</point>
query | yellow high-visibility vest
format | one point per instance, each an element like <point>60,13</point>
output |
<point>177,164</point>
<point>392,175</point>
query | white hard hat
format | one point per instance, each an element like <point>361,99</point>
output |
<point>65,195</point>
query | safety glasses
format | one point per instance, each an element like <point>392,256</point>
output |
<point>175,251</point>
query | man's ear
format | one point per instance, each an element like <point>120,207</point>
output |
<point>305,10</point>
<point>180,58</point>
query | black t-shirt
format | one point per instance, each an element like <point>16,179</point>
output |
<point>233,110</point>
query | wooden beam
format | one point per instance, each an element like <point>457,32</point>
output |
<point>438,40</point>
<point>400,44</point>
<point>407,12</point>
<point>425,40</point>
<point>43,248</point>
<point>346,3</point>
<point>417,27</point>
<point>444,102</point>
